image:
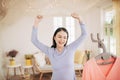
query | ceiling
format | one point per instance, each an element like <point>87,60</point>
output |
<point>47,7</point>
<point>42,5</point>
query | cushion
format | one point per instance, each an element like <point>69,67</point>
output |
<point>46,67</point>
<point>78,57</point>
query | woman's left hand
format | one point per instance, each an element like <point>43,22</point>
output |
<point>76,16</point>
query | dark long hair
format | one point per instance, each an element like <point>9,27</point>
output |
<point>58,30</point>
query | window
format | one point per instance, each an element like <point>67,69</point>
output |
<point>108,32</point>
<point>68,23</point>
<point>71,29</point>
<point>57,22</point>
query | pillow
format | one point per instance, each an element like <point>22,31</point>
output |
<point>78,57</point>
<point>40,58</point>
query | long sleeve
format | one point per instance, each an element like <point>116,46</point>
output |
<point>37,43</point>
<point>78,41</point>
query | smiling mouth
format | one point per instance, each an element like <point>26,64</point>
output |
<point>61,43</point>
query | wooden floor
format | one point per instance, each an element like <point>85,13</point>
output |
<point>36,77</point>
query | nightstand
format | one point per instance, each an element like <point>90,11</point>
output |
<point>28,68</point>
<point>14,67</point>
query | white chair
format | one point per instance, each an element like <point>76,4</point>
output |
<point>40,64</point>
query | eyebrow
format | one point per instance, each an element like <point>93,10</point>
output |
<point>61,35</point>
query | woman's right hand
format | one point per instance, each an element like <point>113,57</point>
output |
<point>37,20</point>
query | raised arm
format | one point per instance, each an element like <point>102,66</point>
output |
<point>78,41</point>
<point>34,37</point>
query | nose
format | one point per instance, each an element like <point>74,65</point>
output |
<point>62,39</point>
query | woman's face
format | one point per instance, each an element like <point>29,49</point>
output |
<point>60,39</point>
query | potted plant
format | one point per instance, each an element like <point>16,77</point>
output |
<point>87,52</point>
<point>28,58</point>
<point>12,54</point>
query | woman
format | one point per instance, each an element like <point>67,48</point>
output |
<point>61,55</point>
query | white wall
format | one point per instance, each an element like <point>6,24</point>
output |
<point>2,61</point>
<point>93,21</point>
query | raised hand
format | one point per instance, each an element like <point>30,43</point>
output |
<point>37,20</point>
<point>76,16</point>
<point>39,17</point>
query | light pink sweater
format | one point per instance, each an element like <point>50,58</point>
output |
<point>93,71</point>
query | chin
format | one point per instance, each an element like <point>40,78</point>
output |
<point>61,45</point>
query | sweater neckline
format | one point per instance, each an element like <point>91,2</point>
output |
<point>111,70</point>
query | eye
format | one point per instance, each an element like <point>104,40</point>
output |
<point>59,36</point>
<point>65,37</point>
